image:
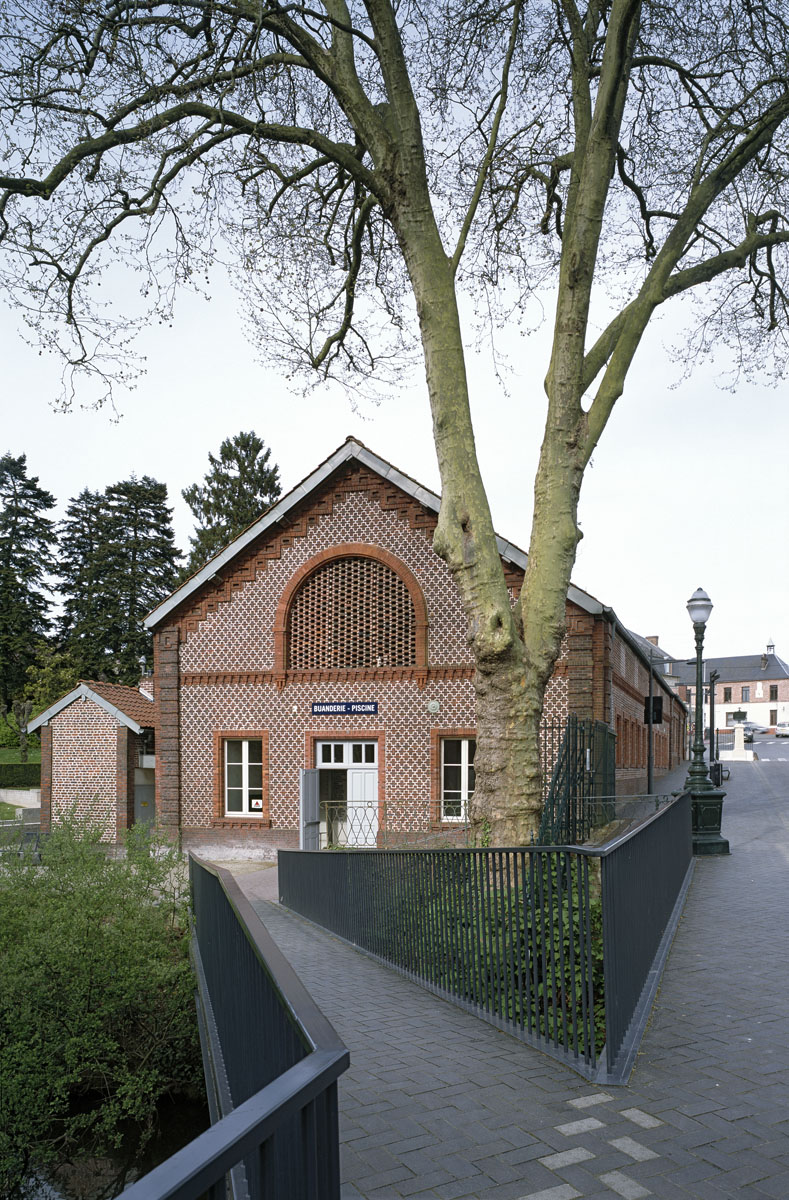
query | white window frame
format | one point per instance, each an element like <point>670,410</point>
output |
<point>245,810</point>
<point>341,755</point>
<point>466,761</point>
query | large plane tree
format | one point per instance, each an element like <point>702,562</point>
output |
<point>363,162</point>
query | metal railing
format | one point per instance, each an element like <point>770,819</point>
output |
<point>644,875</point>
<point>272,1063</point>
<point>554,944</point>
<point>584,770</point>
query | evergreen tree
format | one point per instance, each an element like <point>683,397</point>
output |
<point>238,488</point>
<point>26,538</point>
<point>138,562</point>
<point>84,551</point>
<point>54,673</point>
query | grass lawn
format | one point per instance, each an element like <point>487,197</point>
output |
<point>10,754</point>
<point>7,811</point>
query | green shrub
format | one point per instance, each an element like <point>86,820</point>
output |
<point>20,775</point>
<point>510,952</point>
<point>97,1019</point>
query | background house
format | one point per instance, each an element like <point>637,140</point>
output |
<point>750,687</point>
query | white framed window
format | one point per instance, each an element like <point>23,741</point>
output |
<point>244,776</point>
<point>457,777</point>
<point>346,754</point>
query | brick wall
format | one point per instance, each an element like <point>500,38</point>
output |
<point>231,679</point>
<point>84,740</point>
<point>630,682</point>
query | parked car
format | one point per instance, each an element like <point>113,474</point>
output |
<point>751,728</point>
<point>782,729</point>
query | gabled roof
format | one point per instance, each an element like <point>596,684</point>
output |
<point>349,451</point>
<point>656,654</point>
<point>738,668</point>
<point>128,705</point>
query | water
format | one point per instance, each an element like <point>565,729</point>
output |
<point>92,1178</point>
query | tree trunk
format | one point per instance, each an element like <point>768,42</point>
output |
<point>510,687</point>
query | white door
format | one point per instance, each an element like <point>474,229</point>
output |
<point>362,808</point>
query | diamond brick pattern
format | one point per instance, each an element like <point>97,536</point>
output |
<point>228,659</point>
<point>239,635</point>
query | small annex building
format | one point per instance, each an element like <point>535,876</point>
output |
<point>317,670</point>
<point>98,756</point>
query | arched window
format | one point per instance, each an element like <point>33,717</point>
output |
<point>355,607</point>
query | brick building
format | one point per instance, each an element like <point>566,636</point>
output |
<point>321,659</point>
<point>97,756</point>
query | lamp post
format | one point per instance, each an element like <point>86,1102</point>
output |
<point>699,609</point>
<point>706,799</point>
<point>714,677</point>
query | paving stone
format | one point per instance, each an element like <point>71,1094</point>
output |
<point>562,1192</point>
<point>566,1157</point>
<point>590,1101</point>
<point>438,1104</point>
<point>641,1118</point>
<point>624,1186</point>
<point>633,1149</point>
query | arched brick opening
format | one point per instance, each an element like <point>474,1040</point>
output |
<point>350,550</point>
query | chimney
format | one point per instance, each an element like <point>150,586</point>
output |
<point>654,639</point>
<point>764,662</point>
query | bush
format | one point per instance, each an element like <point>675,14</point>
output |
<point>97,1019</point>
<point>510,953</point>
<point>20,775</point>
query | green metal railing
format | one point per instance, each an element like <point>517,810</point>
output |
<point>584,772</point>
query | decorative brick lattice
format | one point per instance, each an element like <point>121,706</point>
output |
<point>238,635</point>
<point>351,612</point>
<point>84,763</point>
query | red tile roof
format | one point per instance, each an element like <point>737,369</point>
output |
<point>128,699</point>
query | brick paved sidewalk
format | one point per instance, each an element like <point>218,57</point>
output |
<point>438,1104</point>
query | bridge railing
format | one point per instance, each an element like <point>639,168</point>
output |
<point>272,1063</point>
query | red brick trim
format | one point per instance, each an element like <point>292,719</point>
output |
<point>312,737</point>
<point>168,734</point>
<point>46,778</point>
<point>350,479</point>
<point>376,675</point>
<point>348,550</point>
<point>437,735</point>
<point>220,817</point>
<point>125,761</point>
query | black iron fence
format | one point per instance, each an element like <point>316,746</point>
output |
<point>582,778</point>
<point>272,1063</point>
<point>554,944</point>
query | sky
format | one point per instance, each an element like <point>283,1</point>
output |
<point>687,489</point>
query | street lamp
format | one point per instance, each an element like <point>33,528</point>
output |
<point>699,609</point>
<point>706,799</point>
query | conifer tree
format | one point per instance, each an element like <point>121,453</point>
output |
<point>238,488</point>
<point>138,563</point>
<point>84,546</point>
<point>26,538</point>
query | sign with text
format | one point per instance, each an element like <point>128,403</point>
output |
<point>345,708</point>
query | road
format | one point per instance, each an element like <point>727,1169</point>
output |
<point>770,749</point>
